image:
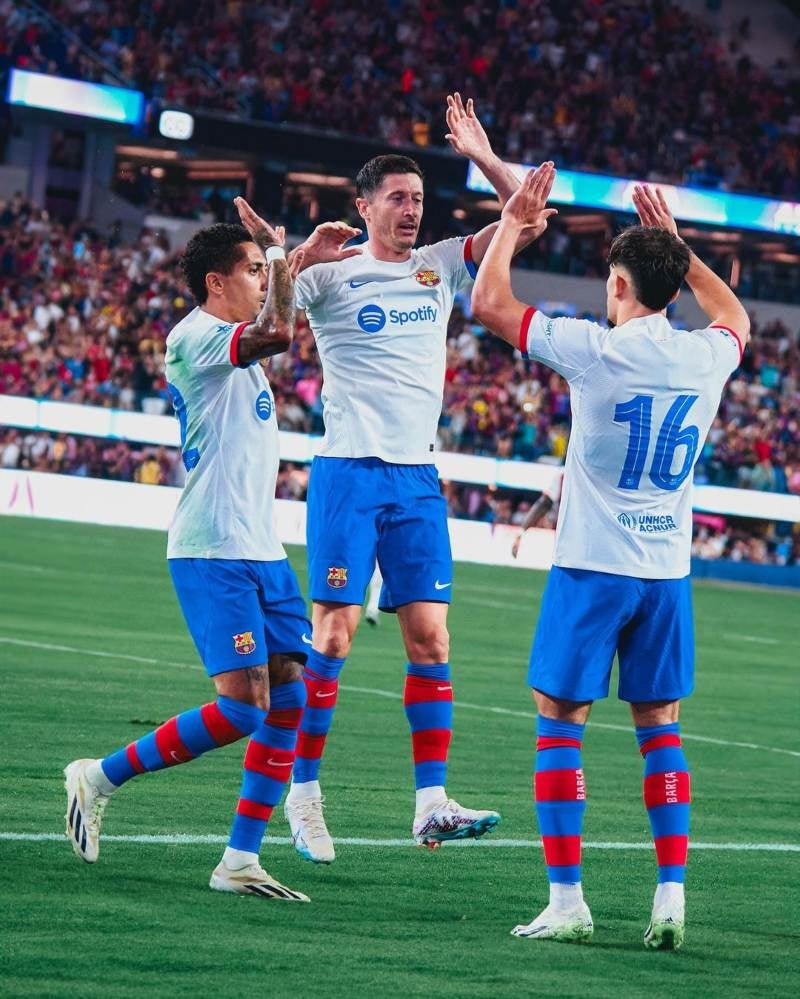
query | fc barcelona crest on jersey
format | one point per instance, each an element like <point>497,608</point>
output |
<point>337,576</point>
<point>244,643</point>
<point>429,278</point>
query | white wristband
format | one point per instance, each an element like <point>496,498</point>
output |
<point>275,253</point>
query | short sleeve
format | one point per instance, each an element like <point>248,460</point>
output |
<point>311,285</point>
<point>569,346</point>
<point>454,257</point>
<point>217,346</point>
<point>727,346</point>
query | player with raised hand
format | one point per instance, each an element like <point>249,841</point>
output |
<point>234,583</point>
<point>643,398</point>
<point>380,323</point>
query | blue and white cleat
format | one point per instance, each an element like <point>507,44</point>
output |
<point>449,820</point>
<point>310,835</point>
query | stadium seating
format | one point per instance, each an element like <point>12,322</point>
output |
<point>94,333</point>
<point>642,89</point>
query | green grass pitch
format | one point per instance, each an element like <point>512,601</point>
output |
<point>383,920</point>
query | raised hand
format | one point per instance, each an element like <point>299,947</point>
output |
<point>653,209</point>
<point>466,134</point>
<point>526,207</point>
<point>262,232</point>
<point>326,244</point>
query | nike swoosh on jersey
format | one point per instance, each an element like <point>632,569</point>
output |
<point>358,284</point>
<point>441,586</point>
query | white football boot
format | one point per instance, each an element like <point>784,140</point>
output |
<point>252,880</point>
<point>666,929</point>
<point>449,820</point>
<point>85,807</point>
<point>309,833</point>
<point>572,925</point>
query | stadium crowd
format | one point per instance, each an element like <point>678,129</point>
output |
<point>84,319</point>
<point>640,89</point>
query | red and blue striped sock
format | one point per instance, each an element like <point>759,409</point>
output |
<point>667,797</point>
<point>560,795</point>
<point>428,702</point>
<point>267,766</point>
<point>321,676</point>
<point>183,738</point>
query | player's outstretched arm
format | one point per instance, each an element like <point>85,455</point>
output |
<point>325,245</point>
<point>271,332</point>
<point>713,296</point>
<point>468,138</point>
<point>493,300</point>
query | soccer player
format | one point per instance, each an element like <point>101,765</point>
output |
<point>550,498</point>
<point>380,322</point>
<point>643,398</point>
<point>234,583</point>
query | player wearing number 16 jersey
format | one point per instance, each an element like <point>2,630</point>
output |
<point>643,398</point>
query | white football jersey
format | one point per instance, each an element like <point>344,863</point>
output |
<point>381,331</point>
<point>229,441</point>
<point>643,398</point>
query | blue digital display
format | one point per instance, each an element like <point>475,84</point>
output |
<point>91,100</point>
<point>690,204</point>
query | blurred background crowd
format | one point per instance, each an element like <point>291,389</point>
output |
<point>94,332</point>
<point>644,89</point>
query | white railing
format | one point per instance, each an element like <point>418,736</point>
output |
<point>95,421</point>
<point>131,504</point>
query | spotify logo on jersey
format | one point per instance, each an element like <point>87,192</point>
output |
<point>371,318</point>
<point>264,406</point>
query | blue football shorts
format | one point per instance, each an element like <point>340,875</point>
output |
<point>240,612</point>
<point>587,617</point>
<point>363,509</point>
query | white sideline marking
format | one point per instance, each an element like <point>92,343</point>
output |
<point>757,638</point>
<point>190,839</point>
<point>374,692</point>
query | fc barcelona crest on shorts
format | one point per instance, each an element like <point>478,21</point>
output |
<point>244,643</point>
<point>337,577</point>
<point>429,278</point>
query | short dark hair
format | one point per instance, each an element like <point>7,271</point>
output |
<point>370,176</point>
<point>656,260</point>
<point>215,248</point>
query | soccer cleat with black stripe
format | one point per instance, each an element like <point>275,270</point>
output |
<point>252,880</point>
<point>85,807</point>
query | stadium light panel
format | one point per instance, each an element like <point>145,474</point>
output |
<point>89,100</point>
<point>689,204</point>
<point>176,125</point>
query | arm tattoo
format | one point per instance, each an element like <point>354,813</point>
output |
<point>271,333</point>
<point>537,511</point>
